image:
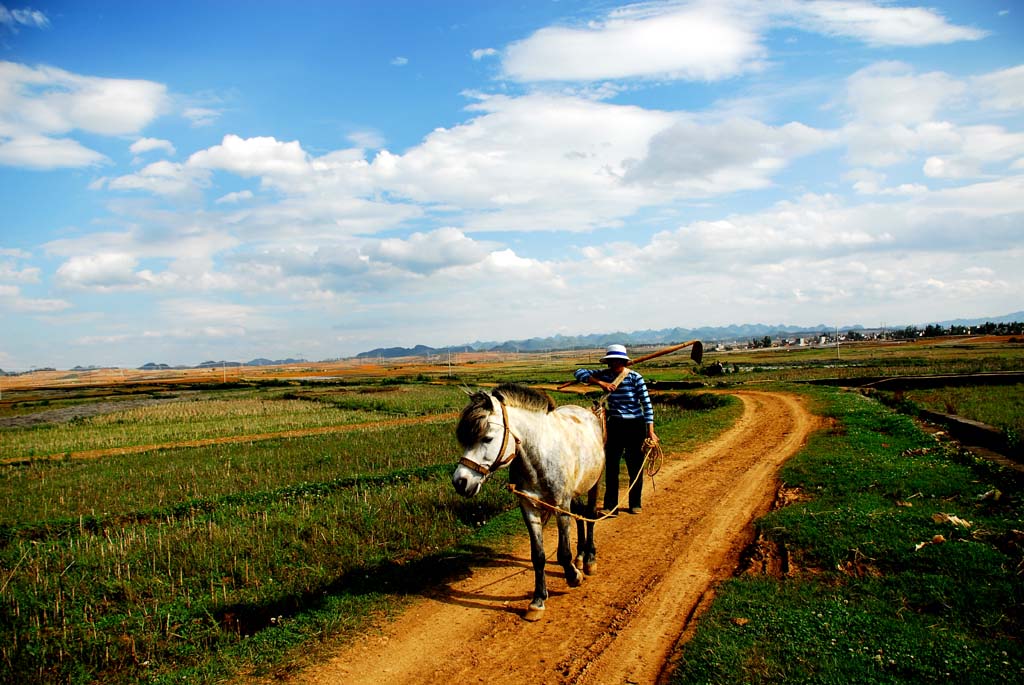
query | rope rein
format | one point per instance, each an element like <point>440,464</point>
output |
<point>653,457</point>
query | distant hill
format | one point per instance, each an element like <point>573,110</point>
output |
<point>273,362</point>
<point>1006,318</point>
<point>151,366</point>
<point>664,336</point>
<point>418,351</point>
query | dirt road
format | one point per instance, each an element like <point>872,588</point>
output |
<point>655,569</point>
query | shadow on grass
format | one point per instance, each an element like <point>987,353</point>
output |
<point>427,576</point>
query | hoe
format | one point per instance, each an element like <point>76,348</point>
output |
<point>696,354</point>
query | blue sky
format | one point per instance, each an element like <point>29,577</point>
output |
<point>224,180</point>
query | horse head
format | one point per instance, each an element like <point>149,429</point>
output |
<point>487,441</point>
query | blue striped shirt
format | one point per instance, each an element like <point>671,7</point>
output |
<point>630,400</point>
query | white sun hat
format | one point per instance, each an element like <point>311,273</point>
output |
<point>615,352</point>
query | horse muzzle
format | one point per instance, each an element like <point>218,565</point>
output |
<point>466,481</point>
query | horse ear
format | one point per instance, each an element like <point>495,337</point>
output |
<point>466,389</point>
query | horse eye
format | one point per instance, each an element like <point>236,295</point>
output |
<point>487,440</point>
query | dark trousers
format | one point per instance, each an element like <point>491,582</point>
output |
<point>625,439</point>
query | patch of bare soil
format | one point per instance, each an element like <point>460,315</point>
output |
<point>655,571</point>
<point>79,411</point>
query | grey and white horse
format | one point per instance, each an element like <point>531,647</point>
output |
<point>554,455</point>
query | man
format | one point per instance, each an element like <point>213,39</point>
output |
<point>630,420</point>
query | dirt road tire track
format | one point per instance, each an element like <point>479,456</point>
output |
<point>654,571</point>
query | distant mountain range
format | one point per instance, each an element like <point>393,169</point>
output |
<point>664,336</point>
<point>152,366</point>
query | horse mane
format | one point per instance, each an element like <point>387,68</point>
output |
<point>515,395</point>
<point>472,426</point>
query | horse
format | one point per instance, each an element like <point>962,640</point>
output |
<point>554,455</point>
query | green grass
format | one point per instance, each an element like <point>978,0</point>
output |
<point>864,601</point>
<point>196,564</point>
<point>120,484</point>
<point>998,406</point>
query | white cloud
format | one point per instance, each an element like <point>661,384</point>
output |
<point>544,161</point>
<point>428,252</point>
<point>232,198</point>
<point>897,113</point>
<point>871,182</point>
<point>1002,90</point>
<point>976,146</point>
<point>879,25</point>
<point>481,53</point>
<point>10,273</point>
<point>201,116</point>
<point>193,312</point>
<point>12,299</point>
<point>366,139</point>
<point>697,42</point>
<point>101,270</point>
<point>40,105</point>
<point>894,93</point>
<point>261,156</point>
<point>399,61</point>
<point>736,154</point>
<point>160,178</point>
<point>51,100</point>
<point>42,152</point>
<point>143,145</point>
<point>23,17</point>
<point>707,41</point>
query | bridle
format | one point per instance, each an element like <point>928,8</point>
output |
<point>503,459</point>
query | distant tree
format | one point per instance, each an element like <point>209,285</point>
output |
<point>854,335</point>
<point>766,341</point>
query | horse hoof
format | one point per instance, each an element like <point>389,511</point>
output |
<point>578,563</point>
<point>590,568</point>
<point>577,580</point>
<point>534,614</point>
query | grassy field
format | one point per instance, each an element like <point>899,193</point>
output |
<point>192,563</point>
<point>901,562</point>
<point>197,563</point>
<point>1001,407</point>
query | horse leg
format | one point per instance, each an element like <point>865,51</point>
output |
<point>581,533</point>
<point>572,575</point>
<point>588,545</point>
<point>535,526</point>
<point>586,552</point>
